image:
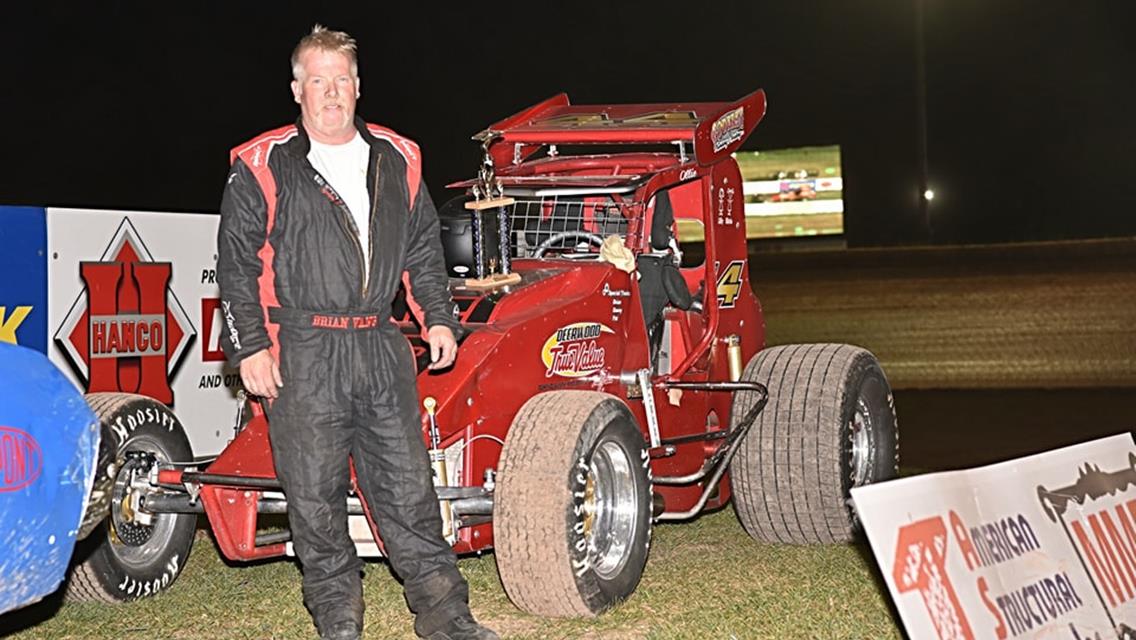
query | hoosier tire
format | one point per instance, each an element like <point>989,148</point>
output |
<point>123,560</point>
<point>829,425</point>
<point>572,506</point>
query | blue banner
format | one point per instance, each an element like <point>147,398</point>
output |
<point>23,283</point>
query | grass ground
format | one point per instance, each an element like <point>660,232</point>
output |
<point>704,579</point>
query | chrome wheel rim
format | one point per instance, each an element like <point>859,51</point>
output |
<point>610,513</point>
<point>863,444</point>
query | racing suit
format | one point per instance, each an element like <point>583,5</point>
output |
<point>290,267</point>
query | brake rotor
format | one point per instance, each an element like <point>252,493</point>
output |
<point>125,529</point>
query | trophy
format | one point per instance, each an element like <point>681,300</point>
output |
<point>490,212</point>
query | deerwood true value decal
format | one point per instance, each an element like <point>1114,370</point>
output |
<point>574,351</point>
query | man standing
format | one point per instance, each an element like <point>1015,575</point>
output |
<point>318,223</point>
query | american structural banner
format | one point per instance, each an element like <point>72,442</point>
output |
<point>1039,547</point>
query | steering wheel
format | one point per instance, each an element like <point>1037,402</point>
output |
<point>592,238</point>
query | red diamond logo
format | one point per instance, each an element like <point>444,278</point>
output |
<point>127,331</point>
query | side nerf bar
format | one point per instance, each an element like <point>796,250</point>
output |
<point>717,463</point>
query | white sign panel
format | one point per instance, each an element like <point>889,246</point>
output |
<point>1040,547</point>
<point>770,187</point>
<point>133,307</point>
<point>800,207</point>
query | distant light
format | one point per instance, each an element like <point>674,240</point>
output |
<point>929,194</point>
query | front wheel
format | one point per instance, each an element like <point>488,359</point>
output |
<point>829,425</point>
<point>572,507</point>
<point>133,555</point>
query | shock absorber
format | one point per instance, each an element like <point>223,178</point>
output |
<point>734,355</point>
<point>438,464</point>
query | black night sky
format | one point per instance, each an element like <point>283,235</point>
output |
<point>1029,105</point>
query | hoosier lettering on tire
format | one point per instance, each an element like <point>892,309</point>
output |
<point>829,426</point>
<point>132,554</point>
<point>572,512</point>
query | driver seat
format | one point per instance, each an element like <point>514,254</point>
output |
<point>660,282</point>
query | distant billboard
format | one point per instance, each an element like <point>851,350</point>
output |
<point>793,192</point>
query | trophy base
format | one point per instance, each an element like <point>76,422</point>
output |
<point>491,203</point>
<point>492,281</point>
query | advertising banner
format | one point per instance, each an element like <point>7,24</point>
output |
<point>1040,547</point>
<point>134,307</point>
<point>23,295</point>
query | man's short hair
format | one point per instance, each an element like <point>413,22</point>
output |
<point>325,39</point>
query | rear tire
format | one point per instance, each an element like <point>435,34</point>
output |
<point>829,426</point>
<point>572,507</point>
<point>123,560</point>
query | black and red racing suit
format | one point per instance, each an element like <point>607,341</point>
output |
<point>290,267</point>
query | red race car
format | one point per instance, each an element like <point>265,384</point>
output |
<point>611,377</point>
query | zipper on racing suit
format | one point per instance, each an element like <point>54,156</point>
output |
<point>375,194</point>
<point>347,223</point>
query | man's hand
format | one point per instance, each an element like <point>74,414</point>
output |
<point>261,374</point>
<point>443,347</point>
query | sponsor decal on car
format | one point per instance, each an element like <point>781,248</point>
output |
<point>573,351</point>
<point>725,205</point>
<point>608,292</point>
<point>730,284</point>
<point>127,331</point>
<point>727,129</point>
<point>617,296</point>
<point>21,459</point>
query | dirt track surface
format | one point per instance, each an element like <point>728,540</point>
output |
<point>1053,315</point>
<point>994,352</point>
